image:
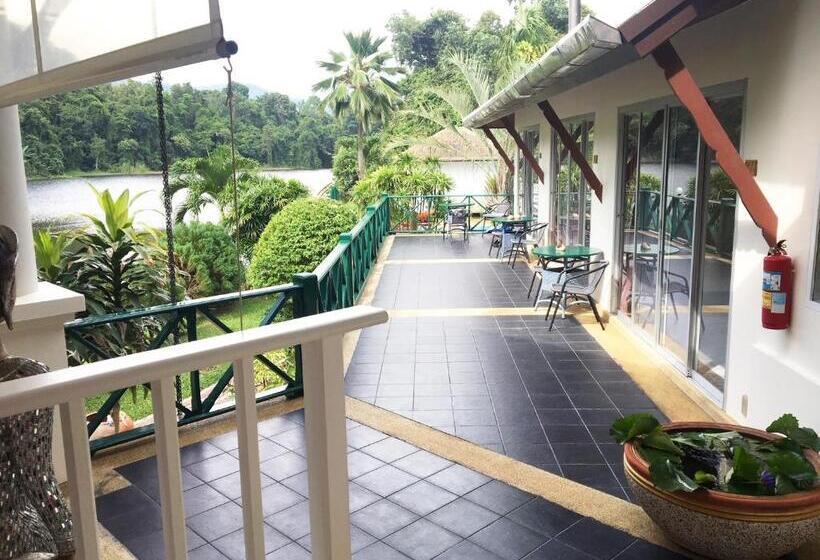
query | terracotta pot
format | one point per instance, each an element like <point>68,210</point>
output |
<point>721,525</point>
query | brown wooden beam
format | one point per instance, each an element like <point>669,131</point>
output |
<point>690,94</point>
<point>574,150</point>
<point>499,149</point>
<point>509,124</point>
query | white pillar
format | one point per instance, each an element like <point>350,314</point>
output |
<point>14,198</point>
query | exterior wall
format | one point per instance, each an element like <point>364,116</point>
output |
<point>775,48</point>
<point>469,177</point>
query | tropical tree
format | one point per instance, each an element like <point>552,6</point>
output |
<point>204,179</point>
<point>360,85</point>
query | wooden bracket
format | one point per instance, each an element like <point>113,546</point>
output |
<point>499,149</point>
<point>574,150</point>
<point>509,124</point>
<point>690,94</point>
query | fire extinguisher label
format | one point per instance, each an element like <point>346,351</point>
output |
<point>772,281</point>
<point>778,302</point>
<point>767,301</point>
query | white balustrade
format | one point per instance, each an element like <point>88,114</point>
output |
<point>321,340</point>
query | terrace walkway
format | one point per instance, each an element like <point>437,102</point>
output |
<point>463,361</point>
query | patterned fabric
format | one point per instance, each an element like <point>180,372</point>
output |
<point>35,521</point>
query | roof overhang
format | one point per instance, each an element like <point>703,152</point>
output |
<point>592,49</point>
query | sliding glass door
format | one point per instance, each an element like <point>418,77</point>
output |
<point>677,230</point>
<point>571,197</point>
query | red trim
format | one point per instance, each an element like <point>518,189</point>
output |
<point>499,149</point>
<point>687,90</point>
<point>574,149</point>
<point>509,124</point>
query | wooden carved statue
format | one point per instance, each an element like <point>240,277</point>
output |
<point>35,522</point>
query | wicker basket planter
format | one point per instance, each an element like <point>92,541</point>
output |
<point>721,525</point>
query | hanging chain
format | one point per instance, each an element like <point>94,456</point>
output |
<point>237,236</point>
<point>166,202</point>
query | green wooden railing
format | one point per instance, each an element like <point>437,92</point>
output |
<point>427,213</point>
<point>335,284</point>
<point>680,215</point>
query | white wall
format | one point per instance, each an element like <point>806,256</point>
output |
<point>775,46</point>
<point>469,177</point>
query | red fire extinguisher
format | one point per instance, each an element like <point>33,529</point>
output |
<point>777,288</point>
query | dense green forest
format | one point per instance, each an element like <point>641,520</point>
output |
<point>114,128</point>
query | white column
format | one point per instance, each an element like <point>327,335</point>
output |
<point>14,198</point>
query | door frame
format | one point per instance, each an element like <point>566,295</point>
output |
<point>736,88</point>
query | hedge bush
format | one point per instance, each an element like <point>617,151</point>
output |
<point>407,175</point>
<point>298,238</point>
<point>208,255</point>
<point>260,198</point>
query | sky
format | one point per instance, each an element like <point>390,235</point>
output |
<point>280,42</point>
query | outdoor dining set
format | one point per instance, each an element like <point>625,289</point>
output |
<point>563,276</point>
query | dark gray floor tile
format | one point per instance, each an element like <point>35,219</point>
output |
<point>362,436</point>
<point>359,497</point>
<point>578,453</point>
<point>379,551</point>
<point>596,539</point>
<point>556,550</point>
<point>422,497</point>
<point>198,452</point>
<point>508,539</point>
<point>467,550</point>
<point>214,467</point>
<point>290,551</point>
<point>359,463</point>
<point>293,521</point>
<point>463,517</point>
<point>276,425</point>
<point>567,434</point>
<point>206,552</point>
<point>642,550</point>
<point>217,522</point>
<point>358,540</point>
<point>498,497</point>
<point>422,540</point>
<point>386,480</point>
<point>277,497</point>
<point>201,498</point>
<point>383,518</point>
<point>298,483</point>
<point>233,544</point>
<point>422,464</point>
<point>458,479</point>
<point>267,450</point>
<point>284,466</point>
<point>390,449</point>
<point>544,517</point>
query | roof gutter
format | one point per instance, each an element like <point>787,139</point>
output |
<point>590,50</point>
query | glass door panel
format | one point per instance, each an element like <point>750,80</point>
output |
<point>720,197</point>
<point>648,202</point>
<point>631,128</point>
<point>678,235</point>
<point>571,202</point>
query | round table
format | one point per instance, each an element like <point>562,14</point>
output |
<point>565,255</point>
<point>507,223</point>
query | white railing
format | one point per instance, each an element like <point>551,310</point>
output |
<point>323,371</point>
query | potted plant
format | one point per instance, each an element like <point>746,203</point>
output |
<point>724,491</point>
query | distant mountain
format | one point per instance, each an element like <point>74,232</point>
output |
<point>254,91</point>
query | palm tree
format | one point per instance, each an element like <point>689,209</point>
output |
<point>360,85</point>
<point>205,180</point>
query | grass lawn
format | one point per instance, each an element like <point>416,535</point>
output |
<point>137,404</point>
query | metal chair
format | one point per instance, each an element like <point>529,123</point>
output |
<point>498,210</point>
<point>531,235</point>
<point>578,282</point>
<point>457,219</point>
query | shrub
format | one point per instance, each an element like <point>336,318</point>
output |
<point>345,161</point>
<point>260,198</point>
<point>407,175</point>
<point>209,256</point>
<point>297,239</point>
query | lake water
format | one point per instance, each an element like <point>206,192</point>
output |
<point>61,203</point>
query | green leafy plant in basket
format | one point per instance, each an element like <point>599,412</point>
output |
<point>724,461</point>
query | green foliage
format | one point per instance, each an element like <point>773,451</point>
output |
<point>260,198</point>
<point>725,461</point>
<point>345,172</point>
<point>205,180</point>
<point>297,239</point>
<point>405,176</point>
<point>114,128</point>
<point>360,85</point>
<point>55,255</point>
<point>208,254</point>
<point>421,43</point>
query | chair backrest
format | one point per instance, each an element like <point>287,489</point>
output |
<point>502,208</point>
<point>458,216</point>
<point>536,233</point>
<point>585,279</point>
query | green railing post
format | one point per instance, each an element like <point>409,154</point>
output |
<point>347,297</point>
<point>305,302</point>
<point>196,390</point>
<point>386,198</point>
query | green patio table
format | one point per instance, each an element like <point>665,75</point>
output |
<point>507,223</point>
<point>551,253</point>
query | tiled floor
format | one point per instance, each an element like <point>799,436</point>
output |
<point>504,382</point>
<point>405,503</point>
